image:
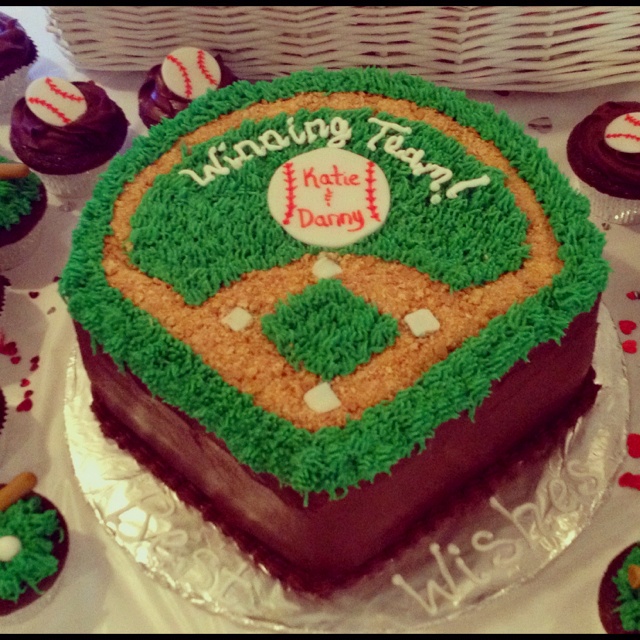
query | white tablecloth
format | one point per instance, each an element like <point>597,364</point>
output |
<point>101,589</point>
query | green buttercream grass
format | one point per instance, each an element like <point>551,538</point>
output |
<point>197,252</point>
<point>17,198</point>
<point>628,597</point>
<point>328,330</point>
<point>36,529</point>
<point>211,251</point>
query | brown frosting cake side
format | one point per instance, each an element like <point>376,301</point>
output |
<point>329,543</point>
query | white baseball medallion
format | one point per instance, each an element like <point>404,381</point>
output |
<point>55,101</point>
<point>10,547</point>
<point>623,133</point>
<point>189,72</point>
<point>329,197</point>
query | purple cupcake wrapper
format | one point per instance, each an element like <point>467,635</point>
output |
<point>76,185</point>
<point>12,88</point>
<point>611,209</point>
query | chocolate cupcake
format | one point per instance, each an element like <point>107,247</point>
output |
<point>67,132</point>
<point>17,54</point>
<point>34,544</point>
<point>23,201</point>
<point>619,594</point>
<point>171,86</point>
<point>604,153</point>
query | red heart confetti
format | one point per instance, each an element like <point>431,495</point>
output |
<point>28,393</point>
<point>24,382</point>
<point>8,349</point>
<point>34,294</point>
<point>630,346</point>
<point>633,445</point>
<point>56,278</point>
<point>627,326</point>
<point>633,295</point>
<point>35,362</point>
<point>16,360</point>
<point>25,405</point>
<point>631,480</point>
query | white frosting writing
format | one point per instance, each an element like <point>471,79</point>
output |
<point>529,521</point>
<point>337,132</point>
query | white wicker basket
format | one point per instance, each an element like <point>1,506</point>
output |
<point>500,48</point>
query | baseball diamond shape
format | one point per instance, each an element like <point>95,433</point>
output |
<point>328,329</point>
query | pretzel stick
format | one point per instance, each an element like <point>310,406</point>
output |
<point>634,576</point>
<point>13,170</point>
<point>16,489</point>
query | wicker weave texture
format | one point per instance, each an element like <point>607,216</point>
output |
<point>535,48</point>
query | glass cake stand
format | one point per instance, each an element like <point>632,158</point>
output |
<point>468,560</point>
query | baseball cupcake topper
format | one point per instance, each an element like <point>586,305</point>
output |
<point>623,133</point>
<point>55,101</point>
<point>189,72</point>
<point>329,197</point>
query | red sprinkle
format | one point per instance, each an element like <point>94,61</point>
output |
<point>633,295</point>
<point>633,445</point>
<point>8,349</point>
<point>34,294</point>
<point>25,405</point>
<point>28,393</point>
<point>35,362</point>
<point>16,360</point>
<point>630,346</point>
<point>627,326</point>
<point>24,382</point>
<point>631,480</point>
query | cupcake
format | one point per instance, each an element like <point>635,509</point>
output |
<point>604,153</point>
<point>183,75</point>
<point>619,594</point>
<point>17,54</point>
<point>67,132</point>
<point>34,544</point>
<point>23,201</point>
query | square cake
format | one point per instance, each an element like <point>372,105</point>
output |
<point>320,307</point>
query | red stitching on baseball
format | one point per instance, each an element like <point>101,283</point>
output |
<point>634,121</point>
<point>63,94</point>
<point>289,180</point>
<point>50,107</point>
<point>370,191</point>
<point>188,88</point>
<point>631,136</point>
<point>203,68</point>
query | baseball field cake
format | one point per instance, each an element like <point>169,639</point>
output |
<point>320,307</point>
